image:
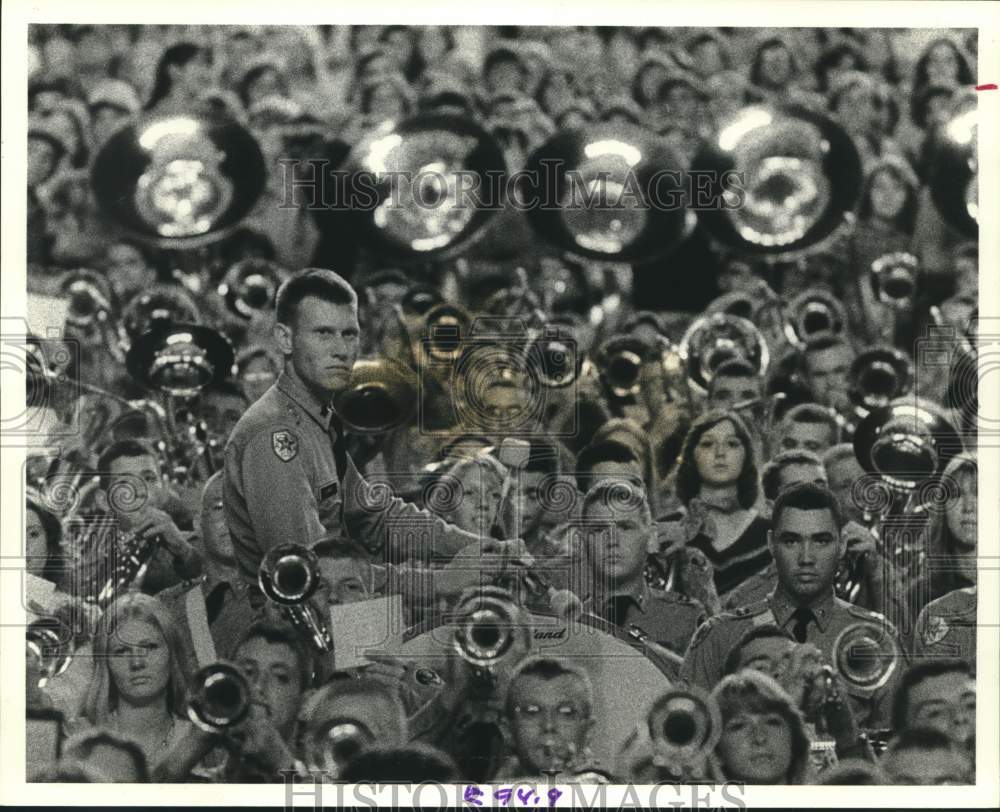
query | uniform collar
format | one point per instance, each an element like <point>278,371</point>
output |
<point>782,607</point>
<point>639,594</point>
<point>294,389</point>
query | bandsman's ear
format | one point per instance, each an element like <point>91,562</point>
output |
<point>283,337</point>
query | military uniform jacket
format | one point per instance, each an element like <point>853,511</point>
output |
<point>669,618</point>
<point>281,485</point>
<point>716,637</point>
<point>946,627</point>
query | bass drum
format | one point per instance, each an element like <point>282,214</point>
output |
<point>626,677</point>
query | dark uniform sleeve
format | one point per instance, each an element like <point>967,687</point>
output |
<point>279,496</point>
<point>702,663</point>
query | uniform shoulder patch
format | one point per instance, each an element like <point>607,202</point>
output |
<point>285,445</point>
<point>934,630</point>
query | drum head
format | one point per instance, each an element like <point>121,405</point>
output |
<point>626,682</point>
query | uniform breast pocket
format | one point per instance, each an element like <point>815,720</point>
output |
<point>329,506</point>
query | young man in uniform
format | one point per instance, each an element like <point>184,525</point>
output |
<point>619,532</point>
<point>807,546</point>
<point>288,477</point>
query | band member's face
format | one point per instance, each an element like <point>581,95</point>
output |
<point>807,549</point>
<point>475,505</point>
<point>942,65</point>
<point>963,512</point>
<point>323,342</point>
<point>505,76</point>
<point>139,661</point>
<point>756,748</point>
<point>343,580</point>
<point>550,723</point>
<point>814,437</point>
<point>531,487</point>
<point>828,371</point>
<point>221,412</point>
<point>776,65</point>
<point>798,472</point>
<point>616,542</point>
<point>947,703</point>
<point>214,529</point>
<point>128,270</point>
<point>257,377</point>
<point>888,196</point>
<point>765,654</point>
<point>719,455</point>
<point>136,485</point>
<point>35,545</point>
<point>273,672</point>
<point>729,391</point>
<point>929,768</point>
<point>842,474</point>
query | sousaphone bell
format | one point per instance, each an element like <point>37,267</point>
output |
<point>791,174</point>
<point>714,339</point>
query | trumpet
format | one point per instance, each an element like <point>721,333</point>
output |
<point>684,726</point>
<point>220,697</point>
<point>866,655</point>
<point>815,313</point>
<point>337,742</point>
<point>895,280</point>
<point>487,628</point>
<point>93,308</point>
<point>52,652</point>
<point>250,287</point>
<point>288,576</point>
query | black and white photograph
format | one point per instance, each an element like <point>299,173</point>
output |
<point>527,410</point>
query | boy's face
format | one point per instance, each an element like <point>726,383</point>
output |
<point>616,542</point>
<point>135,485</point>
<point>273,672</point>
<point>550,721</point>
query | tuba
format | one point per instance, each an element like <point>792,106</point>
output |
<point>895,280</point>
<point>380,396</point>
<point>611,192</point>
<point>288,576</point>
<point>814,313</point>
<point>954,174</point>
<point>790,178</point>
<point>220,697</point>
<point>712,340</point>
<point>418,176</point>
<point>337,742</point>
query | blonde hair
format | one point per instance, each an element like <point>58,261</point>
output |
<point>102,694</point>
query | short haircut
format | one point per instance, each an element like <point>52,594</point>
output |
<point>620,495</point>
<point>341,547</point>
<point>225,387</point>
<point>806,496</point>
<point>277,633</point>
<point>918,738</point>
<point>812,413</point>
<point>412,763</point>
<point>547,668</point>
<point>119,449</point>
<point>735,368</point>
<point>82,745</point>
<point>771,477</point>
<point>825,342</point>
<point>543,457</point>
<point>733,661</point>
<point>603,451</point>
<point>916,674</point>
<point>340,685</point>
<point>318,282</point>
<point>836,453</point>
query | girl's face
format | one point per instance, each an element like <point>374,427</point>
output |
<point>36,547</point>
<point>942,65</point>
<point>478,501</point>
<point>719,455</point>
<point>139,662</point>
<point>776,66</point>
<point>756,748</point>
<point>267,84</point>
<point>433,43</point>
<point>962,511</point>
<point>888,196</point>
